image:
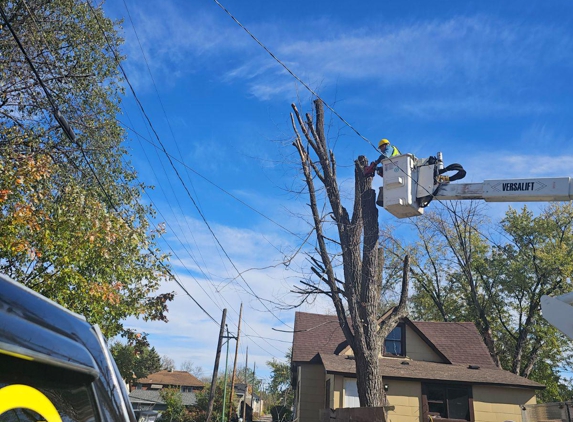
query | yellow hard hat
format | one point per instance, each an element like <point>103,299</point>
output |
<point>383,142</point>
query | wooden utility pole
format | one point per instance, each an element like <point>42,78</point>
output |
<point>235,364</point>
<point>216,368</point>
<point>246,387</point>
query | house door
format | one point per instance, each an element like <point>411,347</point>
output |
<point>351,393</point>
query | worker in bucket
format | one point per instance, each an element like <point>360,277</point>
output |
<point>388,150</point>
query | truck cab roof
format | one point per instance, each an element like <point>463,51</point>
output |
<point>48,349</point>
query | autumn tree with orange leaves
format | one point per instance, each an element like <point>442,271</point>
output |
<point>72,223</point>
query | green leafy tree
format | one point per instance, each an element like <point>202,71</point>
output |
<point>460,274</point>
<point>175,411</point>
<point>280,393</point>
<point>199,410</point>
<point>135,362</point>
<point>72,223</point>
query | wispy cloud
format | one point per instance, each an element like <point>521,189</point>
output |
<point>460,52</point>
<point>176,41</point>
<point>482,57</point>
<point>521,166</point>
<point>452,107</point>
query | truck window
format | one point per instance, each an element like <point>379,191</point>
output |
<point>69,392</point>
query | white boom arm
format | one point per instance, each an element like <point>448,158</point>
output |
<point>558,311</point>
<point>512,190</point>
<point>410,184</point>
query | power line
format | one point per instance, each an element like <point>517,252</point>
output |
<point>314,93</point>
<point>159,261</point>
<point>293,74</point>
<point>177,172</point>
<point>71,136</point>
<point>156,90</point>
<point>216,185</point>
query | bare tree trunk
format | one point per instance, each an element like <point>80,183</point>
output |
<point>361,258</point>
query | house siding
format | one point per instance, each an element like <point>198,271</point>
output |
<point>418,349</point>
<point>406,396</point>
<point>498,404</point>
<point>338,393</point>
<point>312,390</point>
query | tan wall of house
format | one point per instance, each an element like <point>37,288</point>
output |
<point>311,392</point>
<point>418,349</point>
<point>336,391</point>
<point>406,396</point>
<point>498,404</point>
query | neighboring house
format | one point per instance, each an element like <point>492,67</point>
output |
<point>253,401</point>
<point>181,380</point>
<point>142,400</point>
<point>431,371</point>
<point>145,394</point>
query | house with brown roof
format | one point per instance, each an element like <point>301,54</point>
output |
<point>146,392</point>
<point>182,380</point>
<point>432,371</point>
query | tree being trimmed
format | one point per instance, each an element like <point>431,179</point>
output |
<point>357,296</point>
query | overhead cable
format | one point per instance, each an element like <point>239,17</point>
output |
<point>177,172</point>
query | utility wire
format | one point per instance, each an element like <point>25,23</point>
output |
<point>57,115</point>
<point>215,185</point>
<point>157,91</point>
<point>71,136</point>
<point>293,74</point>
<point>319,97</point>
<point>177,172</point>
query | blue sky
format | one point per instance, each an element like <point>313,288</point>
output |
<point>488,83</point>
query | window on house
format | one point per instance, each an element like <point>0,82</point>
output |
<point>395,342</point>
<point>351,393</point>
<point>448,401</point>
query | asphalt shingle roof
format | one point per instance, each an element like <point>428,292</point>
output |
<point>315,333</point>
<point>459,342</point>
<point>188,398</point>
<point>318,338</point>
<point>421,370</point>
<point>179,378</point>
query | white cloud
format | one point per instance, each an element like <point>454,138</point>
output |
<point>520,166</point>
<point>456,52</point>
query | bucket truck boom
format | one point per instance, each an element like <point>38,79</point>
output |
<point>410,184</point>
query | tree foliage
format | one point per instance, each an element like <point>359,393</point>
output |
<point>280,392</point>
<point>462,274</point>
<point>134,361</point>
<point>72,225</point>
<point>199,411</point>
<point>175,410</point>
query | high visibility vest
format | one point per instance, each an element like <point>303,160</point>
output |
<point>395,152</point>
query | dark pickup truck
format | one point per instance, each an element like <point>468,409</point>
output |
<point>54,366</point>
